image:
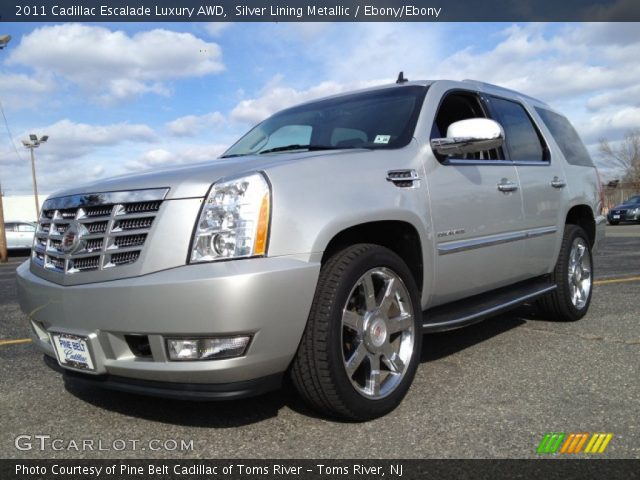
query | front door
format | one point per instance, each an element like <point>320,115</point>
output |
<point>476,210</point>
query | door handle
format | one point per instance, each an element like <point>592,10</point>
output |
<point>507,186</point>
<point>558,183</point>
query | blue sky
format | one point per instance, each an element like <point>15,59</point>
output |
<point>119,98</point>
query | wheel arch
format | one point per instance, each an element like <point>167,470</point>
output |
<point>582,216</point>
<point>399,236</point>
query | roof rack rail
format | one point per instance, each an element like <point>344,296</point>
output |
<point>504,89</point>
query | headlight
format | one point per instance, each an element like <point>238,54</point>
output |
<point>234,222</point>
<point>635,211</point>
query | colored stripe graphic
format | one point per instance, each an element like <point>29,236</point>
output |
<point>573,443</point>
<point>551,442</point>
<point>598,443</point>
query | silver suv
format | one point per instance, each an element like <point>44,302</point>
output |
<point>320,247</point>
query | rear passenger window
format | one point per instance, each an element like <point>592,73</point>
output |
<point>522,139</point>
<point>566,137</point>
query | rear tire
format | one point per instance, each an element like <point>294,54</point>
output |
<point>573,274</point>
<point>361,346</point>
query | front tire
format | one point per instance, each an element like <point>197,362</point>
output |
<point>573,274</point>
<point>361,346</point>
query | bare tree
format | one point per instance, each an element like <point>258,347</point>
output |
<point>624,156</point>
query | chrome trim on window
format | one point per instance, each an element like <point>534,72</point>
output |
<point>517,163</point>
<point>474,243</point>
<point>105,198</point>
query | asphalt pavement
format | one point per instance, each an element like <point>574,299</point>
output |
<point>491,390</point>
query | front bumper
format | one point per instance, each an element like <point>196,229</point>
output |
<point>268,298</point>
<point>625,217</point>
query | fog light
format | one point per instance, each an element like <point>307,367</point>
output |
<point>207,348</point>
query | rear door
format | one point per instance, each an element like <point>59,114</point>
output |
<point>542,180</point>
<point>476,209</point>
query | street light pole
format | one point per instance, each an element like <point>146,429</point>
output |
<point>34,143</point>
<point>3,235</point>
<point>35,183</point>
<point>4,40</point>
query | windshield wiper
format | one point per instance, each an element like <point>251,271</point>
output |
<point>305,147</point>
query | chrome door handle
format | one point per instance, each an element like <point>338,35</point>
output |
<point>558,183</point>
<point>507,186</point>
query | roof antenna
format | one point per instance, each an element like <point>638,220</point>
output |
<point>401,78</point>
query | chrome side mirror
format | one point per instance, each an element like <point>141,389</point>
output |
<point>469,136</point>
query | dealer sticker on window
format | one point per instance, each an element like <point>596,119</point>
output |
<point>73,351</point>
<point>382,139</point>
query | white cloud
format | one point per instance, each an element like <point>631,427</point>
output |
<point>74,153</point>
<point>609,124</point>
<point>69,139</point>
<point>19,91</point>
<point>368,52</point>
<point>615,98</point>
<point>14,82</point>
<point>275,97</point>
<point>113,65</point>
<point>191,125</point>
<point>215,29</point>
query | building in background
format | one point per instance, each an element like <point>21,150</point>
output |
<point>21,207</point>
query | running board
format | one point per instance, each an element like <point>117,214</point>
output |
<point>470,310</point>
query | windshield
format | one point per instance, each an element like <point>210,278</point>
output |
<point>379,119</point>
<point>633,200</point>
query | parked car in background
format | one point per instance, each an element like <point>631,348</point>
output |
<point>19,234</point>
<point>627,211</point>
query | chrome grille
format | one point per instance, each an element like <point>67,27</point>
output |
<point>133,224</point>
<point>110,230</point>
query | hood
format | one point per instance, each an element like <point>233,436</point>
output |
<point>194,180</point>
<point>626,206</point>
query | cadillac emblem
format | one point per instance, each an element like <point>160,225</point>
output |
<point>72,240</point>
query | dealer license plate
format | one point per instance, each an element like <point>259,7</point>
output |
<point>73,351</point>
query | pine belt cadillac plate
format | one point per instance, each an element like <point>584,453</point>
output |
<point>72,351</point>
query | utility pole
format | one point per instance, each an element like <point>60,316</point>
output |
<point>4,40</point>
<point>3,235</point>
<point>33,143</point>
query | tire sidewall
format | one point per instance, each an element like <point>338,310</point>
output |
<point>360,405</point>
<point>575,232</point>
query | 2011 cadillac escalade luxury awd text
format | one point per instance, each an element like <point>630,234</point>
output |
<point>321,246</point>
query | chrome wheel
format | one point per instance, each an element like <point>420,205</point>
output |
<point>579,273</point>
<point>378,333</point>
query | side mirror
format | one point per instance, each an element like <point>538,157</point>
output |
<point>469,136</point>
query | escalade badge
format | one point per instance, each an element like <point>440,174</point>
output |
<point>73,241</point>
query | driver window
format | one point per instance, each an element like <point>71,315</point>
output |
<point>461,106</point>
<point>289,135</point>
